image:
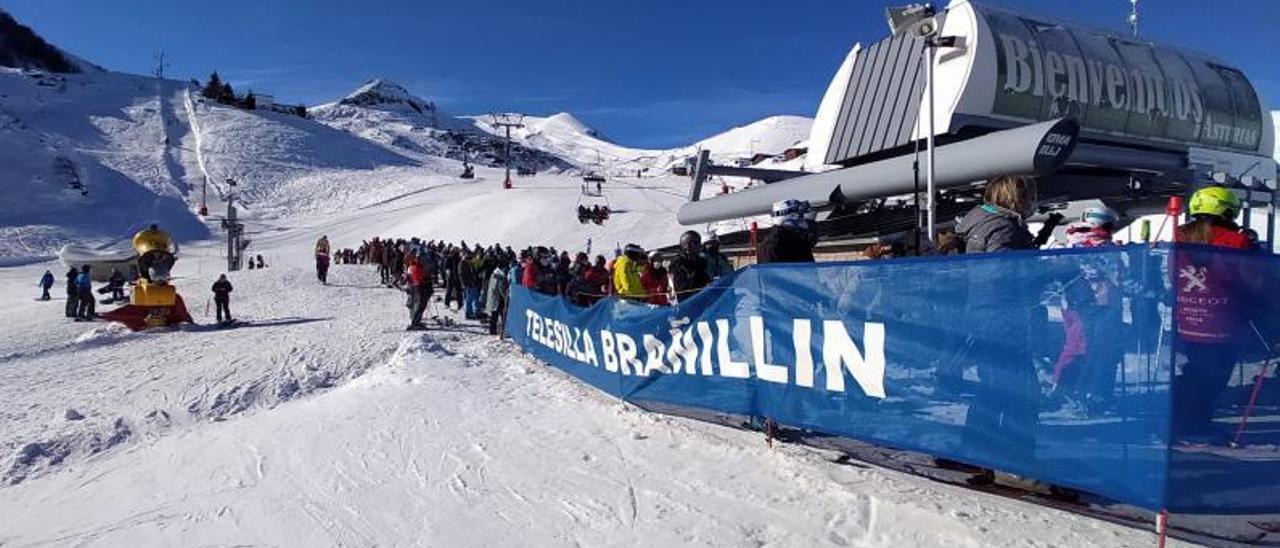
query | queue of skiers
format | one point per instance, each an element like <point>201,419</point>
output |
<point>477,279</point>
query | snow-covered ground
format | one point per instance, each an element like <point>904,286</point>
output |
<point>323,423</point>
<point>437,438</point>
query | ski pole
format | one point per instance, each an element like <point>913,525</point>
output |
<point>1257,388</point>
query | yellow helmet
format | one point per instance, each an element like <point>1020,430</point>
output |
<point>1216,201</point>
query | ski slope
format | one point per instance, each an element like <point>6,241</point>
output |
<point>322,422</point>
<point>564,135</point>
<point>112,136</point>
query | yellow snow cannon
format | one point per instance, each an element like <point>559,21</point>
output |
<point>155,302</point>
<point>156,255</point>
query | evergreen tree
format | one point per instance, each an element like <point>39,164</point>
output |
<point>227,95</point>
<point>250,102</point>
<point>213,90</point>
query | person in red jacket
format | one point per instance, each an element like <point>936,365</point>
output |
<point>654,280</point>
<point>419,292</point>
<point>599,279</point>
<point>1209,309</point>
<point>529,274</point>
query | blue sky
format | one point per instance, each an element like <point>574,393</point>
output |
<point>645,73</point>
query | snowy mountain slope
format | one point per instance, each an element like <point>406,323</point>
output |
<point>89,156</point>
<point>564,135</point>
<point>381,102</point>
<point>539,210</point>
<point>384,112</point>
<point>262,150</point>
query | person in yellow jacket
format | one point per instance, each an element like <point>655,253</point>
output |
<point>626,273</point>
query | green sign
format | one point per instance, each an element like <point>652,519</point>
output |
<point>1114,85</point>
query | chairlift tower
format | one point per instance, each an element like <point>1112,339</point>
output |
<point>507,121</point>
<point>234,228</point>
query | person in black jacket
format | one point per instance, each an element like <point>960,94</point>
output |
<point>116,285</point>
<point>1003,415</point>
<point>793,239</point>
<point>689,268</point>
<point>222,298</point>
<point>999,224</point>
<point>73,292</point>
<point>46,283</point>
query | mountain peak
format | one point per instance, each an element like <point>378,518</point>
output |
<point>385,94</point>
<point>565,122</point>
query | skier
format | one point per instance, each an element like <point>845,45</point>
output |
<point>563,274</point>
<point>529,269</point>
<point>470,286</point>
<point>46,283</point>
<point>793,239</point>
<point>547,277</point>
<point>626,273</point>
<point>1095,229</point>
<point>1210,294</point>
<point>496,306</point>
<point>322,259</point>
<point>1003,414</point>
<point>418,293</point>
<point>655,281</point>
<point>598,280</point>
<point>222,299</point>
<point>73,293</point>
<point>261,263</point>
<point>84,295</point>
<point>999,224</point>
<point>453,279</point>
<point>717,264</point>
<point>689,268</point>
<point>116,283</point>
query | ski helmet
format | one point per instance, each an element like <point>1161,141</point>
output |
<point>634,251</point>
<point>1099,216</point>
<point>1216,201</point>
<point>793,209</point>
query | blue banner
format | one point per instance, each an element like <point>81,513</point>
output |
<point>1114,371</point>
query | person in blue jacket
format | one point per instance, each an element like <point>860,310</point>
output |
<point>46,283</point>
<point>84,290</point>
